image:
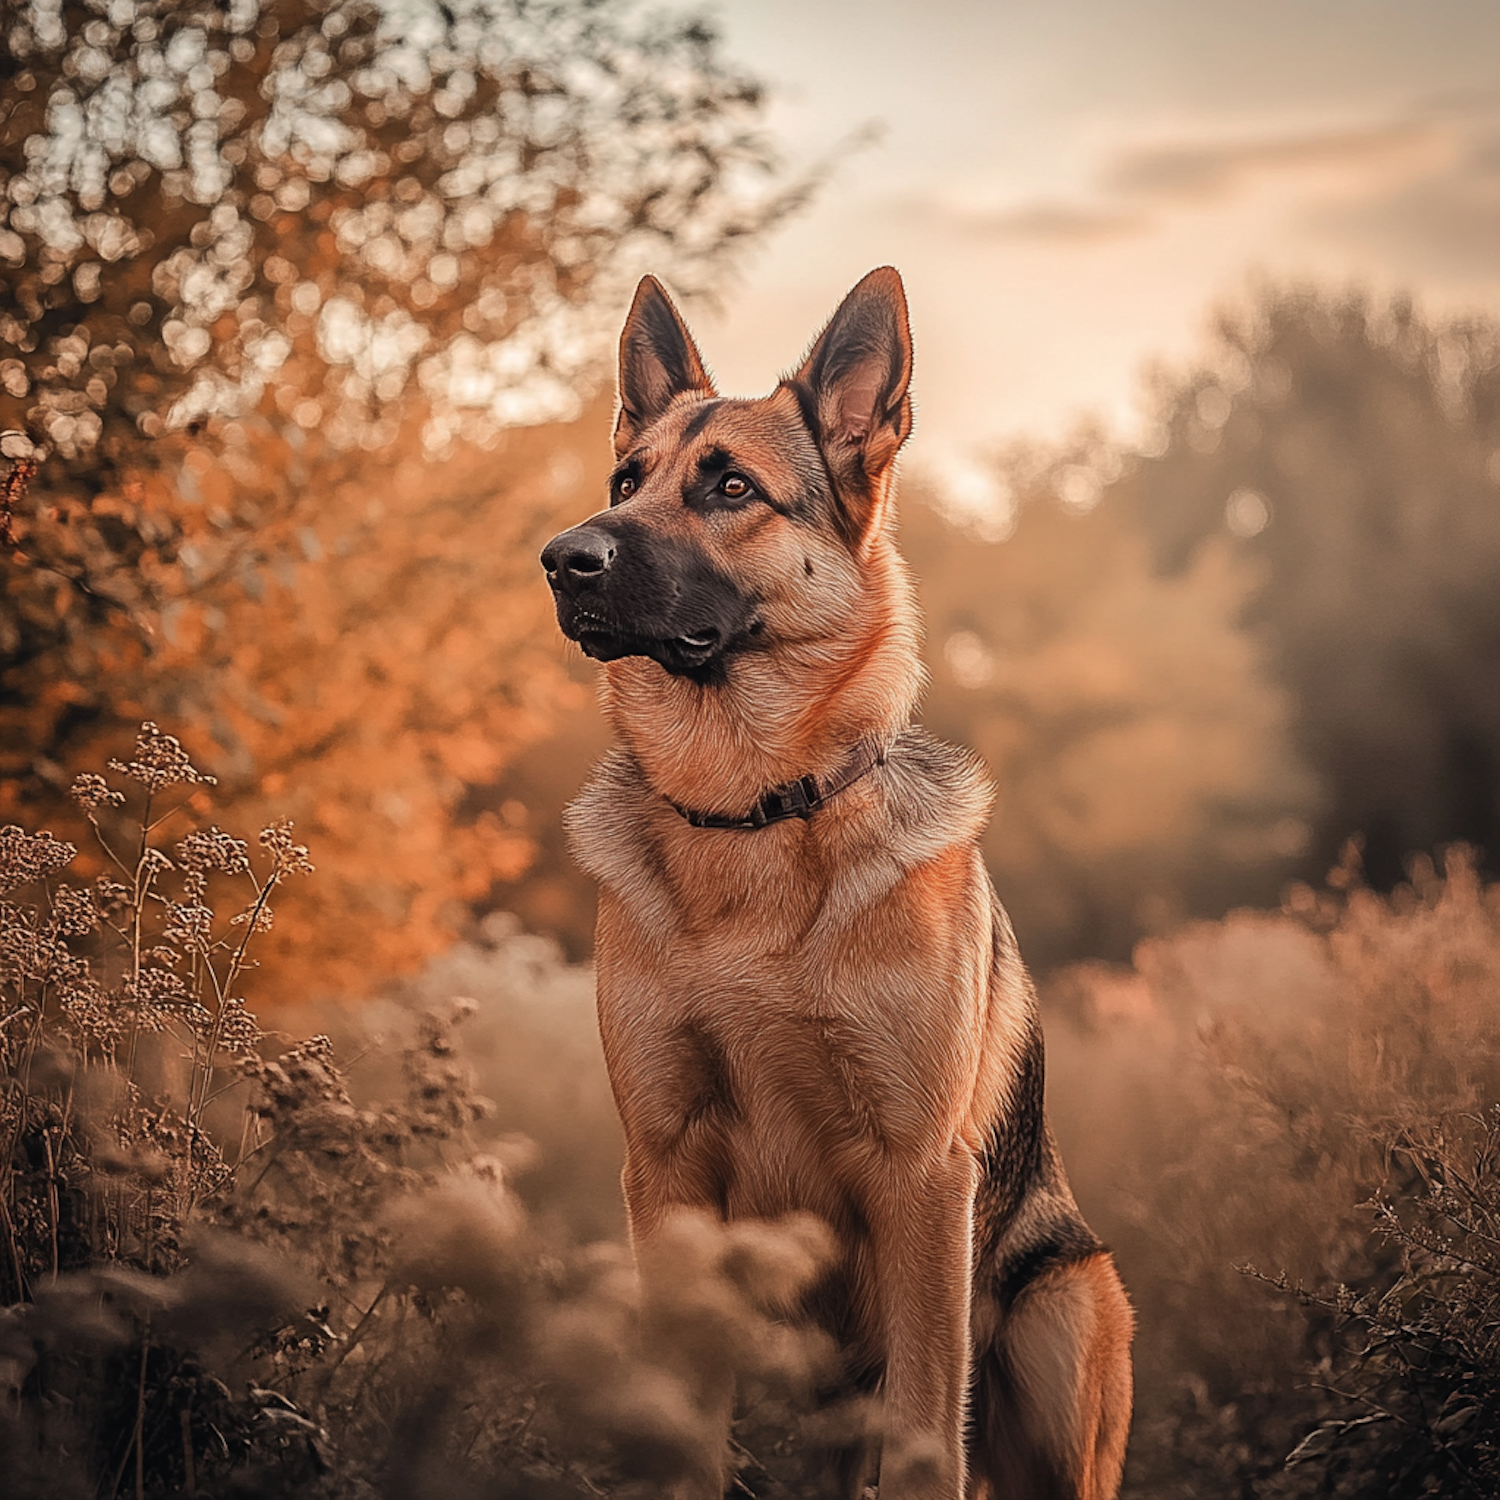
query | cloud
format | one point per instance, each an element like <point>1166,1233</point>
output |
<point>1136,184</point>
<point>1199,170</point>
<point>1445,224</point>
<point>1058,222</point>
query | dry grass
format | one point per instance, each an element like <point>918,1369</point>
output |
<point>239,1267</point>
<point>1252,1093</point>
<point>227,1276</point>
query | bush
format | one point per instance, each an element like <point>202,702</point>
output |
<point>227,1276</point>
<point>1418,1378</point>
<point>1249,1093</point>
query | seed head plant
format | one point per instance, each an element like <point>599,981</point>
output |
<point>224,1274</point>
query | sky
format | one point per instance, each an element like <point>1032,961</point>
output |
<point>1071,187</point>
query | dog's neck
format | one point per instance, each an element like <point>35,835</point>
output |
<point>782,714</point>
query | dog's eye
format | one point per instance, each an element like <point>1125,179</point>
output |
<point>734,487</point>
<point>625,486</point>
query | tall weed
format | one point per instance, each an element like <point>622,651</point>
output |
<point>227,1274</point>
<point>1248,1094</point>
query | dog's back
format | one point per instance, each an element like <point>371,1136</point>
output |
<point>810,999</point>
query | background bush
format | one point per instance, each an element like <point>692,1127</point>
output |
<point>1283,1092</point>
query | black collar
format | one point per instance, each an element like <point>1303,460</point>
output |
<point>797,799</point>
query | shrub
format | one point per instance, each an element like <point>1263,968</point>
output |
<point>1416,1375</point>
<point>1268,1091</point>
<point>227,1276</point>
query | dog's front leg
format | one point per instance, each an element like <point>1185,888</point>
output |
<point>660,1186</point>
<point>923,1239</point>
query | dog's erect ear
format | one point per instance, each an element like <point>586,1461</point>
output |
<point>658,361</point>
<point>854,389</point>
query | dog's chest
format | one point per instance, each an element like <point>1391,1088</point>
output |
<point>760,1064</point>
<point>806,1010</point>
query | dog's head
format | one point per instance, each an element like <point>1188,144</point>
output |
<point>737,525</point>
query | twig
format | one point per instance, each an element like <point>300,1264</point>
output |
<point>271,1163</point>
<point>140,1415</point>
<point>1375,1406</point>
<point>357,1332</point>
<point>12,492</point>
<point>10,1239</point>
<point>54,1207</point>
<point>134,1445</point>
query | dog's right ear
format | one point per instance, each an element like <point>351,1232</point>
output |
<point>658,362</point>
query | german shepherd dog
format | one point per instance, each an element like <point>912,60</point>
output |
<point>809,996</point>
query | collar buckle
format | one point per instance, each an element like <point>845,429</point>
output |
<point>797,799</point>
<point>801,798</point>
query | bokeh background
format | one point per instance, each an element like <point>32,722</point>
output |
<point>306,315</point>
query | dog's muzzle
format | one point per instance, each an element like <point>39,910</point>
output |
<point>621,590</point>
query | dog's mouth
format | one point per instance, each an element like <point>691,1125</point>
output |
<point>689,654</point>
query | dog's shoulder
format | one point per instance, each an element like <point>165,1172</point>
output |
<point>936,795</point>
<point>603,821</point>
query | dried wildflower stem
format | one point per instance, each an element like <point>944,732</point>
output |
<point>65,1128</point>
<point>120,865</point>
<point>141,881</point>
<point>203,1071</point>
<point>11,1242</point>
<point>140,1414</point>
<point>53,1206</point>
<point>28,1049</point>
<point>165,817</point>
<point>251,923</point>
<point>229,1088</point>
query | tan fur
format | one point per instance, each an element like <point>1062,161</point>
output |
<point>1065,1403</point>
<point>827,1015</point>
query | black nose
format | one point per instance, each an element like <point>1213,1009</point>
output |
<point>579,554</point>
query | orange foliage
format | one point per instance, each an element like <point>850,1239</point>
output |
<point>330,239</point>
<point>369,667</point>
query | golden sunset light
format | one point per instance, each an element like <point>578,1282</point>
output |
<point>1071,189</point>
<point>749,750</point>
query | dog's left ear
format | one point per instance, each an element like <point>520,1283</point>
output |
<point>658,362</point>
<point>854,391</point>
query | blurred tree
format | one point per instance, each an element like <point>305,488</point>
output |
<point>375,674</point>
<point>1140,749</point>
<point>1200,666</point>
<point>277,274</point>
<point>345,200</point>
<point>1353,451</point>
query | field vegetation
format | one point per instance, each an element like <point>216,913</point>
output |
<point>392,1266</point>
<point>226,1274</point>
